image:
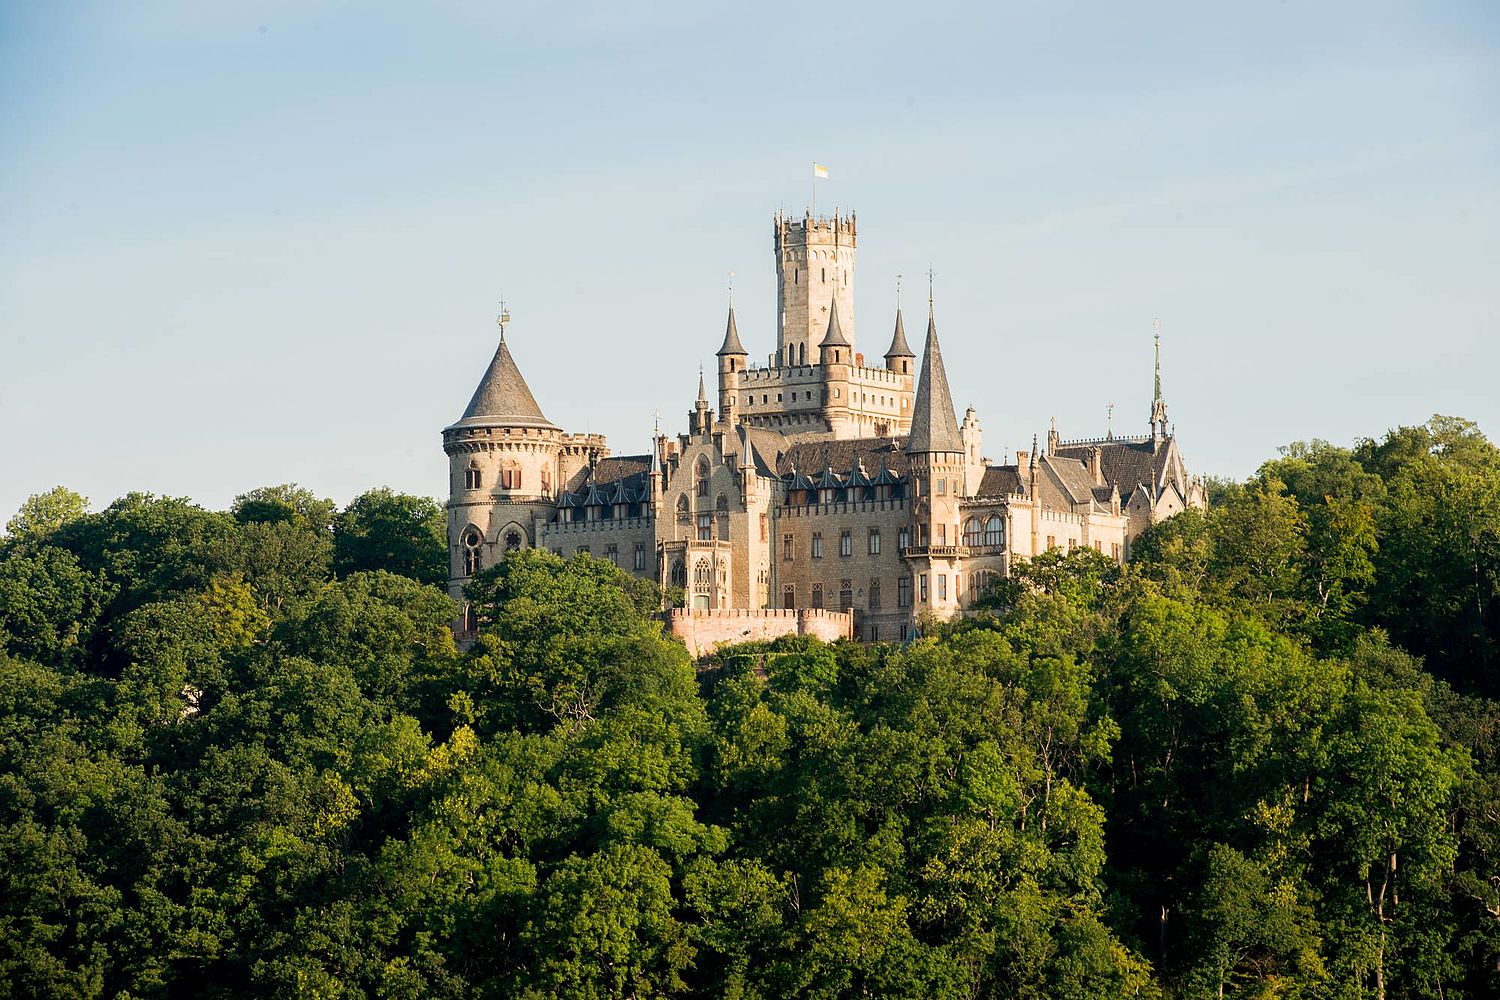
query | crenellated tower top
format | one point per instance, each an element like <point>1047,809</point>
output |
<point>815,268</point>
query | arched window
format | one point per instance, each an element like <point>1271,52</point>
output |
<point>512,540</point>
<point>472,541</point>
<point>994,530</point>
<point>473,478</point>
<point>682,506</point>
<point>972,534</point>
<point>703,577</point>
<point>679,573</point>
<point>703,472</point>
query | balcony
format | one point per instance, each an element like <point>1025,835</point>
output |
<point>934,551</point>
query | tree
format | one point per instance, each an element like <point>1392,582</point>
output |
<point>44,513</point>
<point>401,534</point>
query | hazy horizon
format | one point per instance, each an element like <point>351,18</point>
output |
<point>252,245</point>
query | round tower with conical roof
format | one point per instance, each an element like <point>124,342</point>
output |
<point>503,470</point>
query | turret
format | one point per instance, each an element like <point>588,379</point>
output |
<point>835,348</point>
<point>700,419</point>
<point>899,358</point>
<point>732,361</point>
<point>973,438</point>
<point>936,453</point>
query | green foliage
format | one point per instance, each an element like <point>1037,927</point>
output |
<point>43,513</point>
<point>240,754</point>
<point>395,532</point>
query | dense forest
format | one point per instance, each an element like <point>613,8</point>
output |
<point>240,754</point>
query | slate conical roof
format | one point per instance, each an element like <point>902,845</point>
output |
<point>503,398</point>
<point>899,347</point>
<point>731,338</point>
<point>933,427</point>
<point>835,335</point>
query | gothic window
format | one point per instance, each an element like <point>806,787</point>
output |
<point>786,549</point>
<point>472,541</point>
<point>846,543</point>
<point>682,506</point>
<point>846,595</point>
<point>972,534</point>
<point>817,545</point>
<point>788,597</point>
<point>512,541</point>
<point>874,541</point>
<point>703,577</point>
<point>679,573</point>
<point>705,527</point>
<point>994,530</point>
<point>817,598</point>
<point>473,478</point>
<point>703,473</point>
<point>612,553</point>
<point>874,601</point>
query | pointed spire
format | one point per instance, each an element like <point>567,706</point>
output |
<point>835,335</point>
<point>899,347</point>
<point>732,344</point>
<point>702,392</point>
<point>933,427</point>
<point>502,397</point>
<point>1158,404</point>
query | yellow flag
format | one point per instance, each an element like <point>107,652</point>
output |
<point>819,170</point>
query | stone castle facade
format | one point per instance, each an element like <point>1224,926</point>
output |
<point>816,493</point>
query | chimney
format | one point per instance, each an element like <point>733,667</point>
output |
<point>1023,459</point>
<point>1096,465</point>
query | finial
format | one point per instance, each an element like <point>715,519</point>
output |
<point>731,289</point>
<point>930,275</point>
<point>656,424</point>
<point>503,319</point>
<point>1109,421</point>
<point>898,293</point>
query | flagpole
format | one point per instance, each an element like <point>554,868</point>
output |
<point>815,191</point>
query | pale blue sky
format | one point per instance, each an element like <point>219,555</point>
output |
<point>248,244</point>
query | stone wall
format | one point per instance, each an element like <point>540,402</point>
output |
<point>702,631</point>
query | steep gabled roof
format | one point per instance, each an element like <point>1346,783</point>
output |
<point>843,454</point>
<point>1001,480</point>
<point>933,426</point>
<point>503,398</point>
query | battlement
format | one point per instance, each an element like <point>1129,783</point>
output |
<point>702,631</point>
<point>814,229</point>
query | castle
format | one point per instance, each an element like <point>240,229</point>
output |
<point>818,493</point>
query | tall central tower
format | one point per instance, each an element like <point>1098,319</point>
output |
<point>815,268</point>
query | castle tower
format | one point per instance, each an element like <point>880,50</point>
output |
<point>503,465</point>
<point>732,361</point>
<point>815,269</point>
<point>937,455</point>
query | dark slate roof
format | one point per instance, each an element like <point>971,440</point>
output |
<point>933,427</point>
<point>899,347</point>
<point>835,335</point>
<point>815,456</point>
<point>1076,481</point>
<point>1001,480</point>
<point>618,467</point>
<point>731,338</point>
<point>503,398</point>
<point>1125,464</point>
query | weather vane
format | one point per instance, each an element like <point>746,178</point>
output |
<point>898,293</point>
<point>930,275</point>
<point>504,318</point>
<point>731,288</point>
